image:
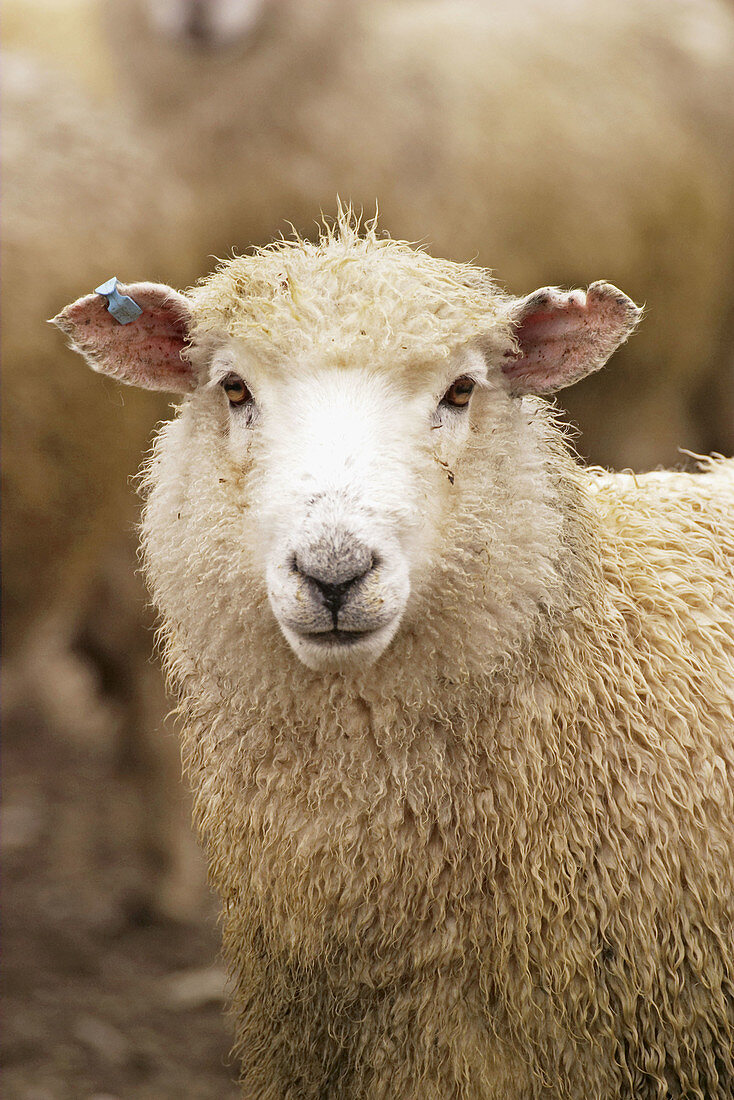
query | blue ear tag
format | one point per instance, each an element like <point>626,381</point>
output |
<point>122,308</point>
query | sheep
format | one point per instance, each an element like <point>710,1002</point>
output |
<point>593,136</point>
<point>69,185</point>
<point>457,710</point>
<point>77,190</point>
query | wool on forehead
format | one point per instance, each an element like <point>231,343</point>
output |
<point>353,290</point>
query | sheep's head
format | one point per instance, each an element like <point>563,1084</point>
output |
<point>346,401</point>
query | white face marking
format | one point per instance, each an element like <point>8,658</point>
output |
<point>339,489</point>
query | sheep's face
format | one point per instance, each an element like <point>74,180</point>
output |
<point>348,472</point>
<point>355,457</point>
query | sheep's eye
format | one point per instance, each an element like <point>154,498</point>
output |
<point>236,390</point>
<point>458,394</point>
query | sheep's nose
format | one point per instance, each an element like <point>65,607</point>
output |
<point>333,566</point>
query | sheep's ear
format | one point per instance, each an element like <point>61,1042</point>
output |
<point>146,349</point>
<point>564,335</point>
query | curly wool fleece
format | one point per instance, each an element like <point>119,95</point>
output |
<point>500,862</point>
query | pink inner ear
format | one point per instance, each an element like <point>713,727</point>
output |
<point>563,336</point>
<point>551,324</point>
<point>146,352</point>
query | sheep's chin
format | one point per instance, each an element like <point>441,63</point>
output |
<point>322,654</point>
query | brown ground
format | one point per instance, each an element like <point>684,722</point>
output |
<point>101,1001</point>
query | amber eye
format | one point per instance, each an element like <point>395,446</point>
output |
<point>236,390</point>
<point>459,393</point>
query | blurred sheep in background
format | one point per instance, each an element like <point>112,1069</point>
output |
<point>78,197</point>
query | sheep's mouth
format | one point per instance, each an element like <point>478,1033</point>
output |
<point>337,650</point>
<point>337,637</point>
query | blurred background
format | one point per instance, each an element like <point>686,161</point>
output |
<point>556,144</point>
